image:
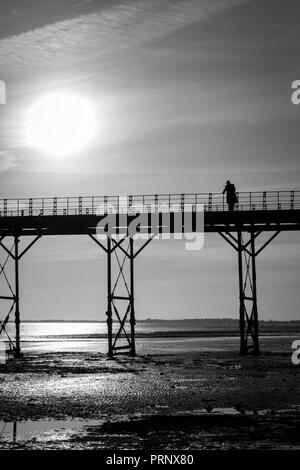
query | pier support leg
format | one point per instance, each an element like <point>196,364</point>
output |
<point>254,297</point>
<point>11,290</point>
<point>132,312</point>
<point>120,298</point>
<point>249,341</point>
<point>243,345</point>
<point>17,352</point>
<point>120,293</point>
<point>109,320</point>
<point>248,311</point>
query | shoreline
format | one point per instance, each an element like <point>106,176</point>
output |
<point>163,398</point>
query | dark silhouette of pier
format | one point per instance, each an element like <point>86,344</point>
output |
<point>255,213</point>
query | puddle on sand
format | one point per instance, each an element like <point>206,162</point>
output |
<point>48,430</point>
<point>43,429</point>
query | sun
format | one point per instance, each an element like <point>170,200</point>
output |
<point>60,123</point>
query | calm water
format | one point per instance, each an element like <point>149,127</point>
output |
<point>92,336</point>
<point>45,330</point>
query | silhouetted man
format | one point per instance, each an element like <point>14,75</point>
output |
<point>231,198</point>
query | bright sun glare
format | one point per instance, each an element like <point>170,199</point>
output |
<point>60,123</point>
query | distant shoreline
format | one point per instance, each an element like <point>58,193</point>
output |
<point>185,320</point>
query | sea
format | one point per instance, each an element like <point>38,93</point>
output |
<point>151,336</point>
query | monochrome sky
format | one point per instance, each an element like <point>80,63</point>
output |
<point>188,94</point>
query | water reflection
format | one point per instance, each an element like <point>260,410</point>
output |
<point>8,431</point>
<point>48,430</point>
<point>15,431</point>
<point>42,430</point>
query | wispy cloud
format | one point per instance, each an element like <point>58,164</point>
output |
<point>92,35</point>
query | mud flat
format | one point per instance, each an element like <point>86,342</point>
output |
<point>197,395</point>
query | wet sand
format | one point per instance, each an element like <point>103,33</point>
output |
<point>209,398</point>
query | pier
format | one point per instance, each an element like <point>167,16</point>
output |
<point>255,213</point>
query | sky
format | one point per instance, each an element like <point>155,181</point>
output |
<point>187,94</point>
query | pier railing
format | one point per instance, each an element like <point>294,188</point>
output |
<point>98,205</point>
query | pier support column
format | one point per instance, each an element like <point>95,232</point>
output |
<point>109,320</point>
<point>249,341</point>
<point>120,310</point>
<point>11,289</point>
<point>248,310</point>
<point>120,298</point>
<point>132,311</point>
<point>17,352</point>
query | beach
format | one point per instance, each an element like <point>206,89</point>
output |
<point>178,393</point>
